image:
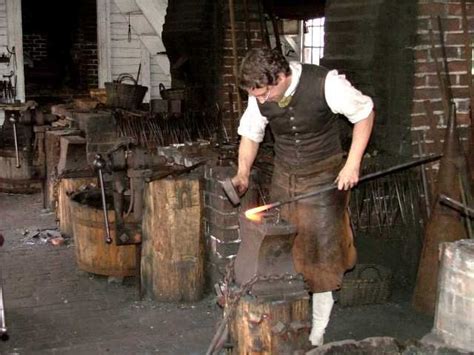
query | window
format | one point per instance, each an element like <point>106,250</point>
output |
<point>313,40</point>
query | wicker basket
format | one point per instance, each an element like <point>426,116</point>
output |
<point>127,96</point>
<point>172,94</point>
<point>366,284</point>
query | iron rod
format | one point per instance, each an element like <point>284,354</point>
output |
<point>364,178</point>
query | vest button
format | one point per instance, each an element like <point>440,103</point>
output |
<point>292,118</point>
<point>297,141</point>
<point>290,108</point>
<point>296,134</point>
<point>293,128</point>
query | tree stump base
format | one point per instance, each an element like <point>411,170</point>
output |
<point>277,326</point>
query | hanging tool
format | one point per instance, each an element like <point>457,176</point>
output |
<point>99,163</point>
<point>129,32</point>
<point>228,188</point>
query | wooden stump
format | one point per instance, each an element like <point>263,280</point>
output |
<point>172,259</point>
<point>63,213</point>
<point>92,253</point>
<point>18,180</point>
<point>271,326</point>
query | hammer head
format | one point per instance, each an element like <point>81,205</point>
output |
<point>230,191</point>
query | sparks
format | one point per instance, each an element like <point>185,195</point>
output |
<point>254,214</point>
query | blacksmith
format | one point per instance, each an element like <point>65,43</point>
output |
<point>300,102</point>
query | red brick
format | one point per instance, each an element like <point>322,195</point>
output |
<point>417,121</point>
<point>421,54</point>
<point>431,9</point>
<point>425,67</point>
<point>454,38</point>
<point>420,81</point>
<point>463,119</point>
<point>426,94</point>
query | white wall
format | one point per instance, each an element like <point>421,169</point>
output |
<point>118,55</point>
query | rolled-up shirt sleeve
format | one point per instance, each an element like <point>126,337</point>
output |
<point>345,99</point>
<point>252,124</point>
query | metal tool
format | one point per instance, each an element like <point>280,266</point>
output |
<point>13,120</point>
<point>3,326</point>
<point>230,191</point>
<point>331,187</point>
<point>458,206</point>
<point>99,164</point>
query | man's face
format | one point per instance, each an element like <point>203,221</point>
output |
<point>270,93</point>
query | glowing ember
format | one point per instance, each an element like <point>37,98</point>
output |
<point>254,214</point>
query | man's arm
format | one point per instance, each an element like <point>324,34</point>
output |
<point>247,152</point>
<point>348,177</point>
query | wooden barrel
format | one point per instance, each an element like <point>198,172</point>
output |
<point>63,212</point>
<point>18,180</point>
<point>454,321</point>
<point>278,326</point>
<point>172,259</point>
<point>92,253</point>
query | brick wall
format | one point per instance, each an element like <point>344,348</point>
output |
<point>370,42</point>
<point>226,86</point>
<point>191,35</point>
<point>427,93</point>
<point>35,46</point>
<point>85,45</point>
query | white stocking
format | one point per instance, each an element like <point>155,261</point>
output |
<point>322,306</point>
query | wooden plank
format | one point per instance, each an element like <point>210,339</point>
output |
<point>15,39</point>
<point>141,25</point>
<point>145,74</point>
<point>125,52</point>
<point>103,42</point>
<point>155,12</point>
<point>127,6</point>
<point>153,43</point>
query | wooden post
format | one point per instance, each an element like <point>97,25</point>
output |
<point>172,262</point>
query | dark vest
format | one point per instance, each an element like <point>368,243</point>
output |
<point>306,130</point>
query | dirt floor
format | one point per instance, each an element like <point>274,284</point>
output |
<point>52,307</point>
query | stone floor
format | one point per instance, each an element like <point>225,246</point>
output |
<point>54,308</point>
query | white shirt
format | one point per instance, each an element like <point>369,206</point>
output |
<point>341,97</point>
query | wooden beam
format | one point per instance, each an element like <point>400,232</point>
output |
<point>15,39</point>
<point>153,43</point>
<point>155,12</point>
<point>103,42</point>
<point>145,72</point>
<point>127,6</point>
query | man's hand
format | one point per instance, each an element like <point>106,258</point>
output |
<point>348,177</point>
<point>241,183</point>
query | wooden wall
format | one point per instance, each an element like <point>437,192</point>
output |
<point>118,54</point>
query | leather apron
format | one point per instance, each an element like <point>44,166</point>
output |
<point>323,249</point>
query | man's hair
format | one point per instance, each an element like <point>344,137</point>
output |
<point>261,67</point>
